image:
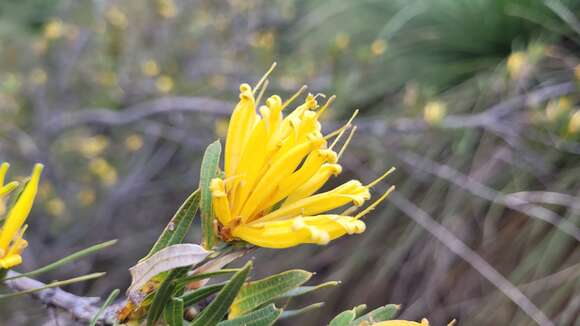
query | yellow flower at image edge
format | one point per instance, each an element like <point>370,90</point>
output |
<point>274,165</point>
<point>11,241</point>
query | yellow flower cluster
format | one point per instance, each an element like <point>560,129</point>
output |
<point>11,235</point>
<point>274,165</point>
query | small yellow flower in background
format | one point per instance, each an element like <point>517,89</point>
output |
<point>378,47</point>
<point>577,72</point>
<point>221,127</point>
<point>55,207</point>
<point>434,112</point>
<point>53,29</point>
<point>92,146</point>
<point>167,8</point>
<point>342,40</point>
<point>134,142</point>
<point>104,171</point>
<point>11,235</point>
<point>516,64</point>
<point>274,165</point>
<point>107,78</point>
<point>150,68</point>
<point>263,40</point>
<point>574,123</point>
<point>164,84</point>
<point>558,108</point>
<point>424,322</point>
<point>116,17</point>
<point>86,197</point>
<point>38,76</point>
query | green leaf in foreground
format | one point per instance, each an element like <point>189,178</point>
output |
<point>209,168</point>
<point>177,228</point>
<point>201,293</point>
<point>163,295</point>
<point>380,314</point>
<point>255,294</point>
<point>107,303</point>
<point>293,313</point>
<point>173,313</point>
<point>65,260</point>
<point>266,316</point>
<point>217,309</point>
<point>346,317</point>
<point>343,319</point>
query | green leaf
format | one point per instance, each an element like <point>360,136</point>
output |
<point>209,169</point>
<point>343,319</point>
<point>173,312</point>
<point>359,310</point>
<point>217,309</point>
<point>53,285</point>
<point>107,303</point>
<point>301,290</point>
<point>202,276</point>
<point>255,294</point>
<point>169,258</point>
<point>266,316</point>
<point>65,260</point>
<point>346,317</point>
<point>293,313</point>
<point>380,314</point>
<point>200,294</point>
<point>163,295</point>
<point>177,228</point>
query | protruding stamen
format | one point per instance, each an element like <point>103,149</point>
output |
<point>293,97</point>
<point>263,79</point>
<point>325,106</point>
<point>262,91</point>
<point>340,131</point>
<point>377,202</point>
<point>8,188</point>
<point>379,179</point>
<point>348,139</point>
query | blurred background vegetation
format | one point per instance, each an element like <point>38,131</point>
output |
<point>475,101</point>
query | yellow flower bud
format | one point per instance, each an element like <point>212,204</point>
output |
<point>434,112</point>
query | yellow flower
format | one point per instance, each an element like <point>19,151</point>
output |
<point>53,29</point>
<point>574,123</point>
<point>342,41</point>
<point>378,47</point>
<point>434,112</point>
<point>134,142</point>
<point>167,8</point>
<point>516,64</point>
<point>11,241</point>
<point>55,207</point>
<point>150,68</point>
<point>116,17</point>
<point>164,84</point>
<point>274,165</point>
<point>424,322</point>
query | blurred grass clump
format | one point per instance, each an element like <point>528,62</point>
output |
<point>475,101</point>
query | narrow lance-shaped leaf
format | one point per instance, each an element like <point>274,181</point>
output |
<point>173,313</point>
<point>346,317</point>
<point>66,260</point>
<point>266,316</point>
<point>297,312</point>
<point>254,294</point>
<point>209,168</point>
<point>169,258</point>
<point>200,294</point>
<point>107,303</point>
<point>163,295</point>
<point>217,309</point>
<point>380,314</point>
<point>178,226</point>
